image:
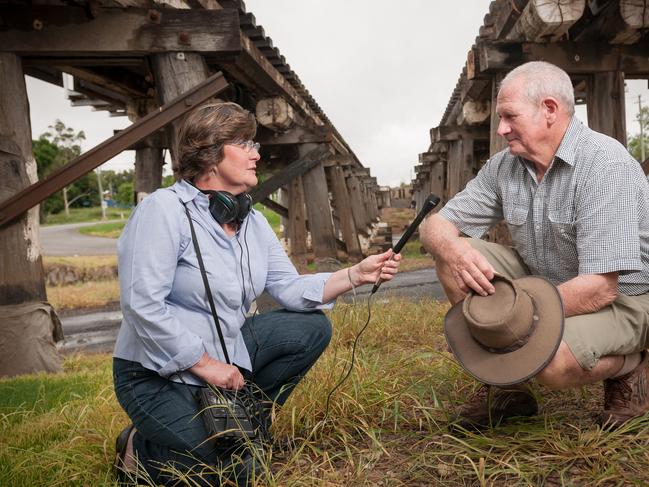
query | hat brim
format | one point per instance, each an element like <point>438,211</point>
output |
<point>503,369</point>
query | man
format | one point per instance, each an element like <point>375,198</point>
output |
<point>577,207</point>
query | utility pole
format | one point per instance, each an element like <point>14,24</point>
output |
<point>641,121</point>
<point>101,195</point>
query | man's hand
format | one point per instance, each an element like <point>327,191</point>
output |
<point>218,373</point>
<point>470,269</point>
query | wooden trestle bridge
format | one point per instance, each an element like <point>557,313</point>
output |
<point>153,61</point>
<point>600,43</point>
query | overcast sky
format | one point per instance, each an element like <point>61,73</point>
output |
<point>382,71</point>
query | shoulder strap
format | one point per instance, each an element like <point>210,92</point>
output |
<point>210,298</point>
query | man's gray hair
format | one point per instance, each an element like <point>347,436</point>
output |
<point>544,79</point>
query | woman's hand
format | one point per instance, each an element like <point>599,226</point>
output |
<point>367,271</point>
<point>218,373</point>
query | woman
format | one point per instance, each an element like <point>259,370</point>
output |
<point>167,347</point>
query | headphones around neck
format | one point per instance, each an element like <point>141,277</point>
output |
<point>227,208</point>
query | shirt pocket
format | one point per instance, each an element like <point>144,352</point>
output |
<point>516,219</point>
<point>564,235</point>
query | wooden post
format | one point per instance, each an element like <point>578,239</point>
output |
<point>605,102</point>
<point>175,73</point>
<point>284,201</point>
<point>365,202</point>
<point>374,203</point>
<point>28,325</point>
<point>496,142</point>
<point>343,205</point>
<point>358,208</point>
<point>148,171</point>
<point>296,231</point>
<point>499,233</point>
<point>148,155</point>
<point>438,181</point>
<point>454,164</point>
<point>319,213</point>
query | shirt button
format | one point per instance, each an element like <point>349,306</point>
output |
<point>538,227</point>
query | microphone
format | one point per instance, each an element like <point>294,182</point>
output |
<point>431,202</point>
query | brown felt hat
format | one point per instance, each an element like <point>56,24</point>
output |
<point>509,336</point>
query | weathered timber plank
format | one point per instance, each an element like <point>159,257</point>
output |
<point>295,135</point>
<point>618,22</point>
<point>254,70</point>
<point>127,90</point>
<point>276,207</point>
<point>577,58</point>
<point>454,132</point>
<point>68,31</point>
<point>506,15</point>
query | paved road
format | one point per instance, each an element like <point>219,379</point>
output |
<point>96,332</point>
<point>66,240</point>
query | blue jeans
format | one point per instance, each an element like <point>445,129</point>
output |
<point>283,345</point>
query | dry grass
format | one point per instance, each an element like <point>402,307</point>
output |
<point>388,425</point>
<point>93,294</point>
<point>81,261</point>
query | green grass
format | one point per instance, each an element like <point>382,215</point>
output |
<point>388,424</point>
<point>272,217</point>
<point>114,229</point>
<point>80,215</point>
<point>108,230</point>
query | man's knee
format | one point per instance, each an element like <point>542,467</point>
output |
<point>560,373</point>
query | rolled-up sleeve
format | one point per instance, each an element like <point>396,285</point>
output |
<point>606,221</point>
<point>149,249</point>
<point>478,207</point>
<point>293,291</point>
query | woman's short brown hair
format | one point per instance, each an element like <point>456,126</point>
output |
<point>204,132</point>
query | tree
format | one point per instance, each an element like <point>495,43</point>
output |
<point>635,142</point>
<point>125,193</point>
<point>67,141</point>
<point>45,153</point>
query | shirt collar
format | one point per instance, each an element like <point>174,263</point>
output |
<point>187,192</point>
<point>568,148</point>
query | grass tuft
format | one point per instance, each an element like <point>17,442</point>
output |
<point>388,424</point>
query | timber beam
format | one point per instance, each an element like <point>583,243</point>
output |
<point>575,58</point>
<point>295,135</point>
<point>32,195</point>
<point>43,30</point>
<point>455,132</point>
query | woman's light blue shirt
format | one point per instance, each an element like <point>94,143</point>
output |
<point>167,324</point>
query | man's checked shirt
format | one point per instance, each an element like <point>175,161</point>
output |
<point>588,215</point>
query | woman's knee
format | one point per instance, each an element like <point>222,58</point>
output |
<point>320,330</point>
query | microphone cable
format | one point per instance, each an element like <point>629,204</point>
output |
<point>353,357</point>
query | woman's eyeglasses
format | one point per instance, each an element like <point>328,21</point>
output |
<point>247,145</point>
